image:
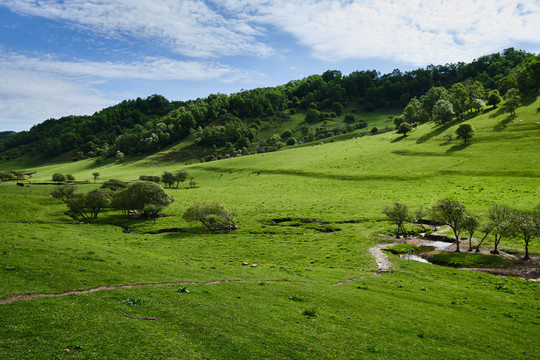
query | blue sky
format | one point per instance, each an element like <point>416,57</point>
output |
<point>75,57</point>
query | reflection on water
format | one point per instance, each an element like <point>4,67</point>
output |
<point>414,257</point>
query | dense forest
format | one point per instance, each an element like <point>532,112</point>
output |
<point>146,125</point>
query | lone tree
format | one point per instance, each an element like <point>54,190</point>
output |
<point>399,214</point>
<point>404,128</point>
<point>513,101</point>
<point>465,131</point>
<point>180,176</point>
<point>57,177</point>
<point>95,175</point>
<point>452,213</point>
<point>213,216</point>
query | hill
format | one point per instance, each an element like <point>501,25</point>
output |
<point>308,215</point>
<point>252,121</point>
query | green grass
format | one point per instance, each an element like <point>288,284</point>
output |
<point>307,217</point>
<point>401,248</point>
<point>470,260</point>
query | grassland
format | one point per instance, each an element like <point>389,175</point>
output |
<point>307,217</point>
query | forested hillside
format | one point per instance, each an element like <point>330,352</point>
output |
<point>233,122</point>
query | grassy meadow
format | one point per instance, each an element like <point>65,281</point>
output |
<point>307,216</point>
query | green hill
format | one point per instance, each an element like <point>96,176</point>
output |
<point>307,216</point>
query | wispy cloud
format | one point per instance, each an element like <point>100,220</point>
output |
<point>187,27</point>
<point>36,88</point>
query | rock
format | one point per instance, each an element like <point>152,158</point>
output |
<point>245,263</point>
<point>253,265</point>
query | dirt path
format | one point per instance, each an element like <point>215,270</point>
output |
<point>383,264</point>
<point>14,298</point>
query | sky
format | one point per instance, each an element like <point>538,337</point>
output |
<point>76,57</point>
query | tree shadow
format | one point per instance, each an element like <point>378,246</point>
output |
<point>503,124</point>
<point>399,139</point>
<point>458,147</point>
<point>437,130</point>
<point>499,112</point>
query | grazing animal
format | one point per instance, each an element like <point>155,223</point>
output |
<point>20,184</point>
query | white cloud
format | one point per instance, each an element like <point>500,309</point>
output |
<point>34,89</point>
<point>414,31</point>
<point>188,27</point>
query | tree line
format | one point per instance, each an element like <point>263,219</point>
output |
<point>146,125</point>
<point>501,222</point>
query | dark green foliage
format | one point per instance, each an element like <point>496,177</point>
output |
<point>147,125</point>
<point>312,116</point>
<point>404,128</point>
<point>349,119</point>
<point>494,98</point>
<point>139,195</point>
<point>63,192</point>
<point>89,205</point>
<point>513,101</point>
<point>70,177</point>
<point>465,131</point>
<point>152,178</point>
<point>287,133</point>
<point>114,185</point>
<point>95,175</point>
<point>168,178</point>
<point>374,130</point>
<point>57,177</point>
<point>212,216</point>
<point>291,141</point>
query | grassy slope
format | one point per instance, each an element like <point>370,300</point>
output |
<point>417,311</point>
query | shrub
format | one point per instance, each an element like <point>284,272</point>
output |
<point>212,216</point>
<point>114,185</point>
<point>149,178</point>
<point>63,192</point>
<point>291,141</point>
<point>57,177</point>
<point>139,195</point>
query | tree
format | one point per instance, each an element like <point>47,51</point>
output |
<point>494,98</point>
<point>180,176</point>
<point>337,107</point>
<point>57,177</point>
<point>291,141</point>
<point>513,101</point>
<point>526,227</point>
<point>89,205</point>
<point>70,177</point>
<point>478,104</point>
<point>63,193</point>
<point>465,131</point>
<point>168,178</point>
<point>404,128</point>
<point>213,216</point>
<point>399,214</point>
<point>142,193</point>
<point>443,111</point>
<point>471,224</point>
<point>95,175</point>
<point>452,213</point>
<point>312,116</point>
<point>114,185</point>
<point>349,119</point>
<point>500,218</point>
<point>287,133</point>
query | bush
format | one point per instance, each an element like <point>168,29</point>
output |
<point>212,216</point>
<point>291,141</point>
<point>139,195</point>
<point>57,177</point>
<point>114,185</point>
<point>349,118</point>
<point>70,177</point>
<point>149,178</point>
<point>63,192</point>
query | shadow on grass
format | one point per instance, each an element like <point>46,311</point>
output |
<point>458,147</point>
<point>437,130</point>
<point>499,112</point>
<point>501,125</point>
<point>399,139</point>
